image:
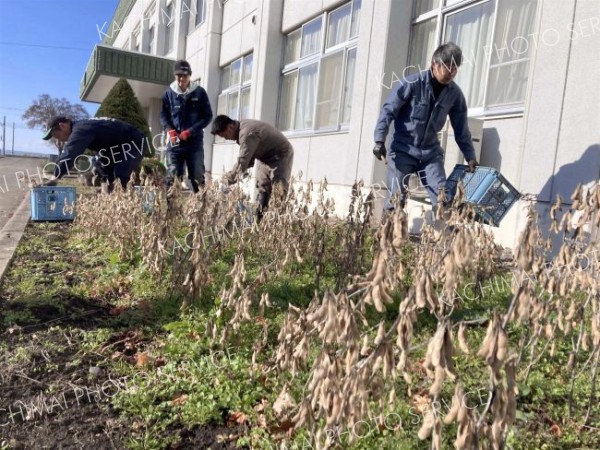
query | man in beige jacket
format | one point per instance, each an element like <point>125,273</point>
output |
<point>258,141</point>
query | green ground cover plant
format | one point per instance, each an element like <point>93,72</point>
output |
<point>208,330</point>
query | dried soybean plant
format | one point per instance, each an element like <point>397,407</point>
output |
<point>353,359</point>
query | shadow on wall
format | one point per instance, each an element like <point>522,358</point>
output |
<point>586,170</point>
<point>490,151</point>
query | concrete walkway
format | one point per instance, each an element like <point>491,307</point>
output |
<point>14,202</point>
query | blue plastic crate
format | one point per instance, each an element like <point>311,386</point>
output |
<point>486,188</point>
<point>53,203</point>
<point>147,197</point>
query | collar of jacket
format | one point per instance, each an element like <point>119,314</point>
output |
<point>191,88</point>
<point>426,76</point>
<point>236,131</point>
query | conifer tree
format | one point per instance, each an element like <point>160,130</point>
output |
<point>122,103</point>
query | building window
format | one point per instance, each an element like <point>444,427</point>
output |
<point>318,74</point>
<point>150,31</point>
<point>169,20</point>
<point>236,83</point>
<point>150,41</point>
<point>135,39</point>
<point>496,37</point>
<point>200,12</point>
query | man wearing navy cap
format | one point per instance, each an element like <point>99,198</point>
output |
<point>120,147</point>
<point>184,115</point>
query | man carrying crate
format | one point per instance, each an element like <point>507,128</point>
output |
<point>419,106</point>
<point>120,147</point>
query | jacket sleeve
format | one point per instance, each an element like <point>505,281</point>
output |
<point>165,113</point>
<point>248,147</point>
<point>206,114</point>
<point>460,124</point>
<point>79,140</point>
<point>396,100</point>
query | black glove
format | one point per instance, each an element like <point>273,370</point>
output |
<point>472,164</point>
<point>379,151</point>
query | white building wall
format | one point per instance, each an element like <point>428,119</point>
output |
<point>562,128</point>
<point>544,151</point>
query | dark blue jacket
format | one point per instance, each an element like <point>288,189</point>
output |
<point>116,141</point>
<point>418,117</point>
<point>189,111</point>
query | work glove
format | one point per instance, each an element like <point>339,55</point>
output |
<point>185,135</point>
<point>472,164</point>
<point>173,137</point>
<point>379,151</point>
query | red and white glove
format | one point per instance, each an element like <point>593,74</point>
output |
<point>185,135</point>
<point>173,137</point>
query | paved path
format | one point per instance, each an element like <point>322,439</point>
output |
<point>14,202</point>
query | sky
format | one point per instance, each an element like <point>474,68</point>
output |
<point>45,46</point>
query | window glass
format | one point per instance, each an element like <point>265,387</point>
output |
<point>338,26</point>
<point>423,6</point>
<point>247,76</point>
<point>233,105</point>
<point>169,20</point>
<point>311,38</point>
<point>292,47</point>
<point>511,52</point>
<point>199,12</point>
<point>348,86</point>
<point>423,46</point>
<point>305,98</point>
<point>471,29</point>
<point>355,18</point>
<point>236,72</point>
<point>318,77</point>
<point>245,104</point>
<point>150,39</point>
<point>328,98</point>
<point>226,77</point>
<point>287,103</point>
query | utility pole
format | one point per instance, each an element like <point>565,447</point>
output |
<point>4,136</point>
<point>12,152</point>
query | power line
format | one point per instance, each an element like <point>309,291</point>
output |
<point>12,108</point>
<point>58,47</point>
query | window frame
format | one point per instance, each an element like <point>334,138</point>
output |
<point>236,89</point>
<point>168,27</point>
<point>441,14</point>
<point>324,52</point>
<point>194,25</point>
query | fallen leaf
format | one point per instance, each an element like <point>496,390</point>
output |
<point>556,431</point>
<point>178,401</point>
<point>142,359</point>
<point>237,417</point>
<point>159,362</point>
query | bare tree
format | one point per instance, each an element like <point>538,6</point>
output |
<point>45,107</point>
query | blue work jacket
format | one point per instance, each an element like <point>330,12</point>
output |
<point>186,111</point>
<point>418,117</point>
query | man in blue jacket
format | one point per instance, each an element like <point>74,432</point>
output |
<point>120,147</point>
<point>185,113</point>
<point>419,105</point>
